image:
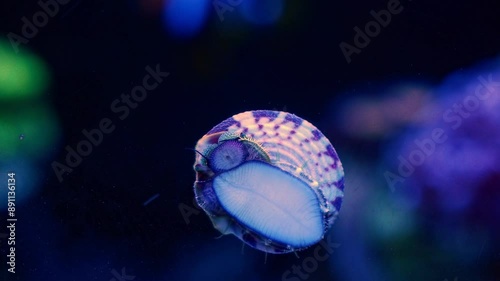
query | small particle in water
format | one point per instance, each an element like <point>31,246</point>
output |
<point>21,137</point>
<point>151,199</point>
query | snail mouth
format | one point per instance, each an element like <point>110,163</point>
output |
<point>271,202</point>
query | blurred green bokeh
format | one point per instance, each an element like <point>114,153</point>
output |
<point>28,126</point>
<point>27,130</point>
<point>23,75</point>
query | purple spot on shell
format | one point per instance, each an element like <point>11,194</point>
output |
<point>331,152</point>
<point>292,132</point>
<point>316,135</point>
<point>276,127</point>
<point>294,119</point>
<point>340,184</point>
<point>209,199</point>
<point>319,154</point>
<point>334,165</point>
<point>261,126</point>
<point>265,113</point>
<point>277,134</point>
<point>224,125</point>
<point>326,169</point>
<point>245,130</point>
<point>289,138</point>
<point>337,203</point>
<point>306,140</point>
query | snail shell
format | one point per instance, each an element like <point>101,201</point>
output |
<point>270,178</point>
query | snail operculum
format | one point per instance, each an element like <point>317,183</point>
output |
<point>231,150</point>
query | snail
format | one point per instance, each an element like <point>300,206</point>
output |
<point>270,178</point>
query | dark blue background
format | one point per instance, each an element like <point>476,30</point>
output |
<point>95,221</point>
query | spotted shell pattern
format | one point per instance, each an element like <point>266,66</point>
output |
<point>293,145</point>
